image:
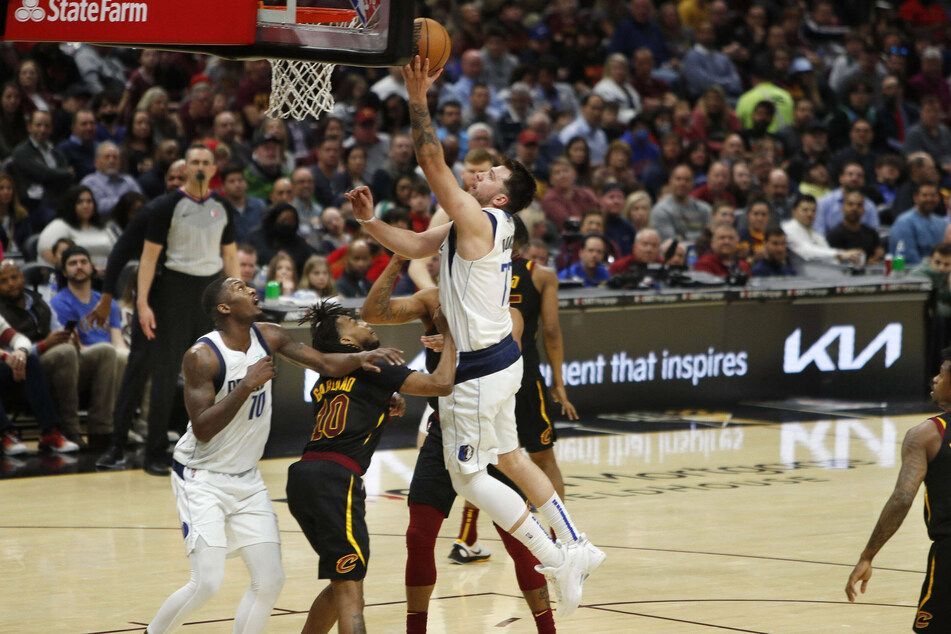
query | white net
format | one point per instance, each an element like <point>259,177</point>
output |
<point>299,89</point>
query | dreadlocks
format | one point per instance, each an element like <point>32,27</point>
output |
<point>322,318</point>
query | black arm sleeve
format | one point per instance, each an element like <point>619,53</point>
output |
<point>127,248</point>
<point>160,220</point>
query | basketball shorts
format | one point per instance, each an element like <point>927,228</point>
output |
<point>227,511</point>
<point>431,484</point>
<point>532,405</point>
<point>328,501</point>
<point>934,606</point>
<point>478,420</point>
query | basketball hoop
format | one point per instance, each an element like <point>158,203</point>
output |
<point>301,89</point>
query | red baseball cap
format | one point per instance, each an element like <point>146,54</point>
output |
<point>527,137</point>
<point>364,115</point>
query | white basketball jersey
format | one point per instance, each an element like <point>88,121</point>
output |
<point>475,295</point>
<point>239,446</point>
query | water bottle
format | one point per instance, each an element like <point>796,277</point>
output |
<point>691,257</point>
<point>898,260</point>
<point>272,290</point>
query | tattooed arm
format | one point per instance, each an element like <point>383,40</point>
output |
<point>472,225</point>
<point>380,308</point>
<point>920,446</point>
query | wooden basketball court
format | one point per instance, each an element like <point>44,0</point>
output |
<point>743,526</point>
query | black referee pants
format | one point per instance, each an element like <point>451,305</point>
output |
<point>179,321</point>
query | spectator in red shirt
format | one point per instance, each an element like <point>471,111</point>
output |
<point>564,199</point>
<point>715,189</point>
<point>723,260</point>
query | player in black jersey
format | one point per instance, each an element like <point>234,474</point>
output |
<point>431,494</point>
<point>925,456</point>
<point>324,489</point>
<point>535,295</point>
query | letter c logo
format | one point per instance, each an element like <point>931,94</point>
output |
<point>347,563</point>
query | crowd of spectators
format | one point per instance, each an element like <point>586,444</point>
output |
<point>752,137</point>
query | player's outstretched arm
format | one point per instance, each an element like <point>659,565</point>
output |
<point>464,210</point>
<point>403,241</point>
<point>336,364</point>
<point>551,332</point>
<point>199,368</point>
<point>380,307</point>
<point>921,444</point>
<point>440,382</point>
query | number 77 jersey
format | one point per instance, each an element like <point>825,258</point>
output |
<point>240,445</point>
<point>350,412</point>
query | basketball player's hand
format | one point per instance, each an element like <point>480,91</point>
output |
<point>433,342</point>
<point>260,373</point>
<point>417,79</point>
<point>147,320</point>
<point>362,201</point>
<point>397,405</point>
<point>390,355</point>
<point>862,572</point>
<point>98,317</point>
<point>559,395</point>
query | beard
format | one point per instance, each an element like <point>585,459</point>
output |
<point>371,345</point>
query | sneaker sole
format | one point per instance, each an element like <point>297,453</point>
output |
<point>469,560</point>
<point>19,451</point>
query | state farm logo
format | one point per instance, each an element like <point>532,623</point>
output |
<point>83,11</point>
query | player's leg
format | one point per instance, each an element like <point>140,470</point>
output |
<point>208,571</point>
<point>545,460</point>
<point>536,432</point>
<point>531,582</point>
<point>934,606</point>
<point>467,549</point>
<point>348,599</point>
<point>267,578</point>
<point>323,613</point>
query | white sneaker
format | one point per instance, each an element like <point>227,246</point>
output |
<point>135,438</point>
<point>462,553</point>
<point>581,558</point>
<point>173,436</point>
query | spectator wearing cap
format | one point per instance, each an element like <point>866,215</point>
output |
<point>704,65</point>
<point>859,150</point>
<point>564,200</point>
<point>267,165</point>
<point>638,29</point>
<point>195,113</point>
<point>526,152</point>
<point>617,229</point>
<point>252,95</point>
<point>366,134</point>
<point>765,90</point>
<point>804,115</point>
<point>930,135</point>
<point>804,83</point>
<point>80,148</point>
<point>106,183</point>
<point>588,126</point>
<point>895,114</point>
<point>931,81</point>
<point>615,87</point>
<point>829,207</point>
<point>539,45</point>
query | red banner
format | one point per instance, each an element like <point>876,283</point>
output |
<point>132,21</point>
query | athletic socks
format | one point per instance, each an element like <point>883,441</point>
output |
<point>545,622</point>
<point>469,531</point>
<point>556,515</point>
<point>536,539</point>
<point>416,622</point>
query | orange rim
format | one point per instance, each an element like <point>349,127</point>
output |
<point>317,15</point>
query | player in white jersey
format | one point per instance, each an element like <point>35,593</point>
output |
<point>222,502</point>
<point>478,418</point>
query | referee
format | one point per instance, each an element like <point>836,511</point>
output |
<point>195,229</point>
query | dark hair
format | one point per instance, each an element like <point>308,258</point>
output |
<point>73,249</point>
<point>804,198</point>
<point>916,187</point>
<point>322,318</point>
<point>588,236</point>
<point>889,159</point>
<point>67,207</point>
<point>520,187</point>
<point>198,146</point>
<point>245,247</point>
<point>72,119</point>
<point>942,248</point>
<point>396,214</point>
<point>213,295</point>
<point>756,200</point>
<point>230,169</point>
<point>520,238</point>
<point>451,102</point>
<point>127,203</point>
<point>773,230</point>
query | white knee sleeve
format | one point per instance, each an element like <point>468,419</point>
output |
<point>503,505</point>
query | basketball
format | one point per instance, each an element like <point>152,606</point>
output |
<point>431,40</point>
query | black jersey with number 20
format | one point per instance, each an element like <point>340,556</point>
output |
<point>351,411</point>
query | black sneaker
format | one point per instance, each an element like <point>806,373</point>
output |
<point>112,459</point>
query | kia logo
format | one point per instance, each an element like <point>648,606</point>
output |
<point>795,361</point>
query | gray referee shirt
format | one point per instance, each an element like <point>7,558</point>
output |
<point>192,231</point>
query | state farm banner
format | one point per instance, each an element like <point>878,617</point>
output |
<point>131,22</point>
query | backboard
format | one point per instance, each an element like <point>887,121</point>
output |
<point>354,32</point>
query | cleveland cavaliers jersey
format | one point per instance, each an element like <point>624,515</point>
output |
<point>938,485</point>
<point>239,446</point>
<point>526,298</point>
<point>475,295</point>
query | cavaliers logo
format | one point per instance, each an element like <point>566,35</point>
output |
<point>546,437</point>
<point>347,563</point>
<point>923,619</point>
